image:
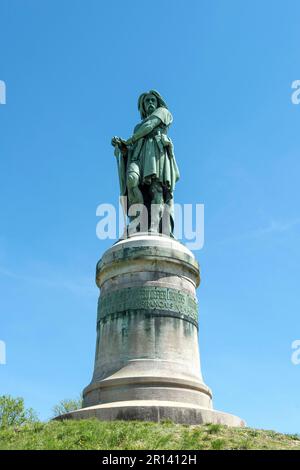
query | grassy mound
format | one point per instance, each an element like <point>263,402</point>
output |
<point>93,434</point>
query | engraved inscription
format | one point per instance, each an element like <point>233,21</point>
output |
<point>148,298</point>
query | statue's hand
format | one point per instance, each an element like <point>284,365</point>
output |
<point>115,141</point>
<point>120,145</point>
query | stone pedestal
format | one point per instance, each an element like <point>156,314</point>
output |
<point>147,363</point>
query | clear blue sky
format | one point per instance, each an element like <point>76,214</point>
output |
<point>73,71</point>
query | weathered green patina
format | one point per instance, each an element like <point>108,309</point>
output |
<point>154,300</point>
<point>147,166</point>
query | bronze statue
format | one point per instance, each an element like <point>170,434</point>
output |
<point>146,163</point>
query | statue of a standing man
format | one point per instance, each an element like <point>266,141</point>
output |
<point>146,162</point>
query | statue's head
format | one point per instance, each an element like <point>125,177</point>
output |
<point>149,101</point>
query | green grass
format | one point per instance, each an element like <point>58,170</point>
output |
<point>93,434</point>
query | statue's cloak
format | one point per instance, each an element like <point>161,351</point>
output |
<point>153,154</point>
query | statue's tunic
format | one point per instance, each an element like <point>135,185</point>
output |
<point>154,153</point>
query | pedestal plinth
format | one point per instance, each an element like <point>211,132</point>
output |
<point>147,363</point>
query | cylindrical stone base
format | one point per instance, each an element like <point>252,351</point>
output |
<point>147,363</point>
